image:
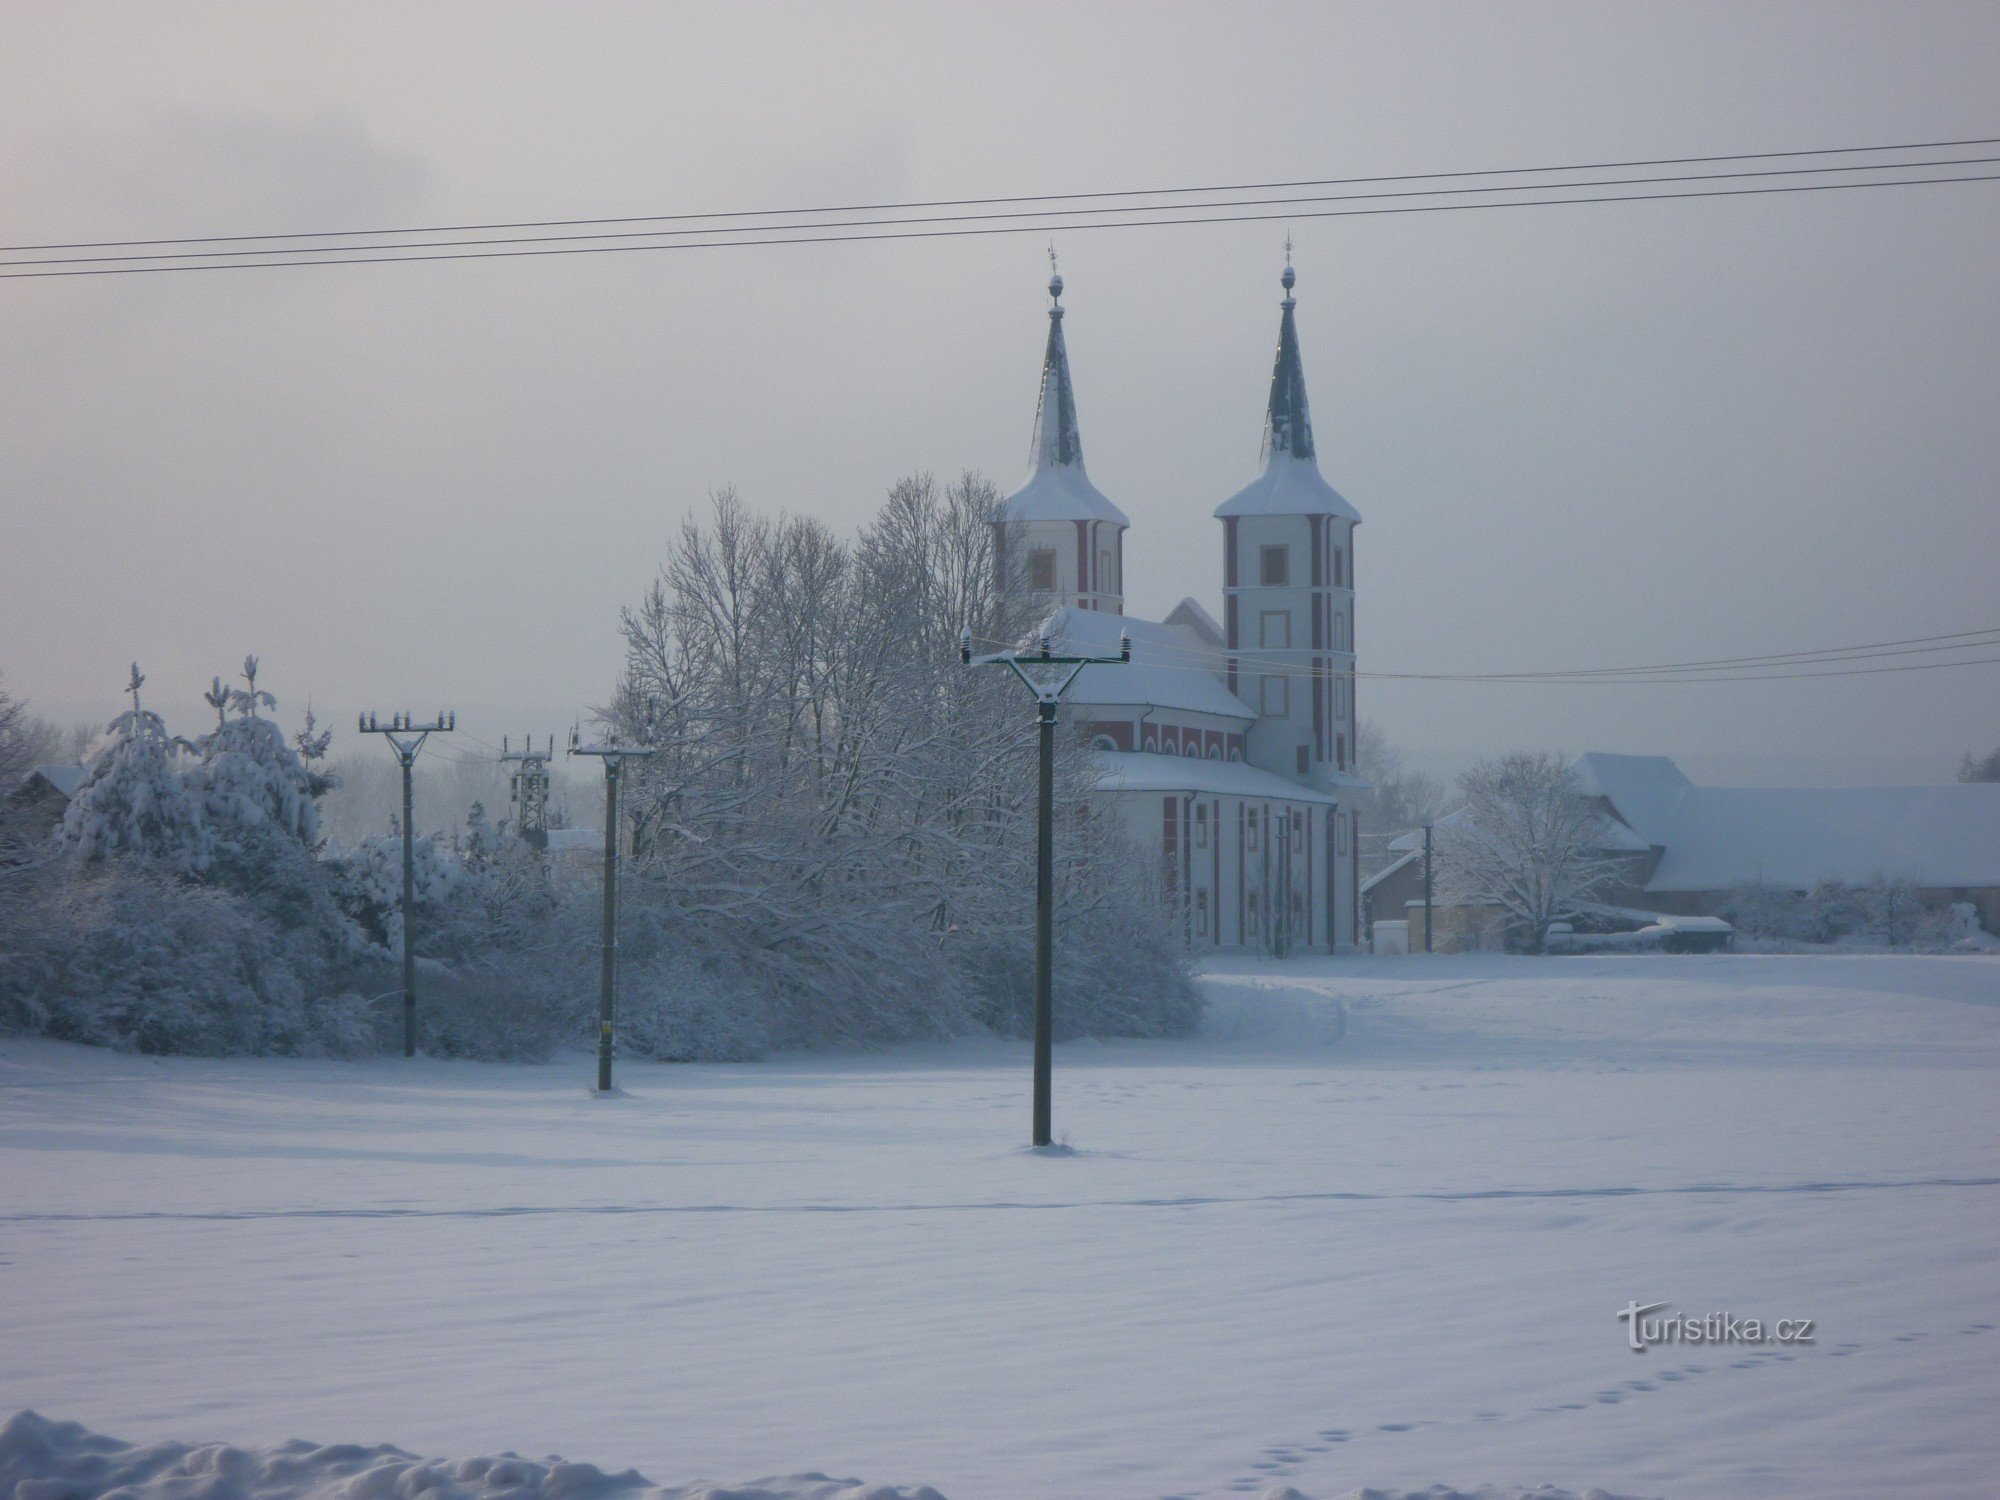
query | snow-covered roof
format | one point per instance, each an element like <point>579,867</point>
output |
<point>65,779</point>
<point>1170,668</point>
<point>1190,613</point>
<point>1795,837</point>
<point>1401,862</point>
<point>1643,788</point>
<point>1290,484</point>
<point>1129,771</point>
<point>1057,489</point>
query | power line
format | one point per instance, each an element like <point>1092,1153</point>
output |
<point>986,230</point>
<point>1043,214</point>
<point>1753,669</point>
<point>1239,187</point>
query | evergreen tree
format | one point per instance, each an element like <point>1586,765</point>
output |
<point>134,800</point>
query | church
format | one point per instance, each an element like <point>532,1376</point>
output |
<point>1226,749</point>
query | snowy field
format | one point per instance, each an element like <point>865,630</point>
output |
<point>1373,1229</point>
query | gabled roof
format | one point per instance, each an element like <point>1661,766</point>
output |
<point>1290,484</point>
<point>1057,489</point>
<point>63,779</point>
<point>1170,666</point>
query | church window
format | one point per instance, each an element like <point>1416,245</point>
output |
<point>1340,697</point>
<point>1191,748</point>
<point>1274,629</point>
<point>1201,826</point>
<point>1340,751</point>
<point>1201,913</point>
<point>1042,569</point>
<point>1275,566</point>
<point>1250,830</point>
<point>1340,827</point>
<point>1298,831</point>
<point>1304,764</point>
<point>1273,697</point>
<point>1338,575</point>
<point>1340,630</point>
<point>1106,584</point>
<point>1103,742</point>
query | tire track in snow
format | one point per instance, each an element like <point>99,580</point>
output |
<point>1479,1195</point>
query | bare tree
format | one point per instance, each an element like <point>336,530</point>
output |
<point>1397,798</point>
<point>1528,839</point>
<point>1980,768</point>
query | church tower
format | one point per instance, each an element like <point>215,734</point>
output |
<point>1057,541</point>
<point>1288,589</point>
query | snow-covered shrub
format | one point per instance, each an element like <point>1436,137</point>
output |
<point>1829,912</point>
<point>494,1012</point>
<point>1765,911</point>
<point>675,1008</point>
<point>127,955</point>
<point>1893,912</point>
<point>249,779</point>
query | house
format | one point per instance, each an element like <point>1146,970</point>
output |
<point>1682,848</point>
<point>42,796</point>
<point>1224,747</point>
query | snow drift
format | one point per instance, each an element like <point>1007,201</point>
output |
<point>45,1460</point>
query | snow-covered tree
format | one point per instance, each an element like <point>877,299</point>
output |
<point>1829,911</point>
<point>1980,767</point>
<point>837,813</point>
<point>249,778</point>
<point>134,801</point>
<point>1527,839</point>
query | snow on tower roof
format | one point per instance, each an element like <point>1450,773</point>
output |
<point>1057,489</point>
<point>1170,666</point>
<point>1290,484</point>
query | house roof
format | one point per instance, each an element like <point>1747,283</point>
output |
<point>1290,484</point>
<point>65,779</point>
<point>1940,836</point>
<point>1128,771</point>
<point>1057,489</point>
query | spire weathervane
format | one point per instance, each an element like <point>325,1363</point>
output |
<point>1055,282</point>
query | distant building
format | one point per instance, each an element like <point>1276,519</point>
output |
<point>1226,748</point>
<point>1682,847</point>
<point>41,797</point>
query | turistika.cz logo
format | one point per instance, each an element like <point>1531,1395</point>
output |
<point>1643,1331</point>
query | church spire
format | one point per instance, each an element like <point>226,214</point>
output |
<point>1291,484</point>
<point>1056,443</point>
<point>1288,426</point>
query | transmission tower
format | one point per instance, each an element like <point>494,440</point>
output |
<point>528,786</point>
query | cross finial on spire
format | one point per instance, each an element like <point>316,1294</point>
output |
<point>1290,276</point>
<point>1055,277</point>
<point>138,677</point>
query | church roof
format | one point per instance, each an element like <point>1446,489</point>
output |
<point>1130,771</point>
<point>1057,489</point>
<point>1290,484</point>
<point>1170,667</point>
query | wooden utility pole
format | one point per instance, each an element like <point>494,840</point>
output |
<point>407,737</point>
<point>614,757</point>
<point>1427,888</point>
<point>1048,677</point>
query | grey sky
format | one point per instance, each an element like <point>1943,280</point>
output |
<point>1579,436</point>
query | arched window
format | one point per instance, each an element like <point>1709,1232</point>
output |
<point>1103,742</point>
<point>1153,742</point>
<point>1215,752</point>
<point>1191,749</point>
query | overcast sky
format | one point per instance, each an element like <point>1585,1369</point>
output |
<point>1583,436</point>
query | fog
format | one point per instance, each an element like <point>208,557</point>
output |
<point>1583,436</point>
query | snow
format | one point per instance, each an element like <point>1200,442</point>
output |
<point>1139,771</point>
<point>1288,486</point>
<point>1170,668</point>
<point>1060,492</point>
<point>1371,1228</point>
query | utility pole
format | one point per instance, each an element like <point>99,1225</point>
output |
<point>407,737</point>
<point>1048,677</point>
<point>614,757</point>
<point>1427,888</point>
<point>529,788</point>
